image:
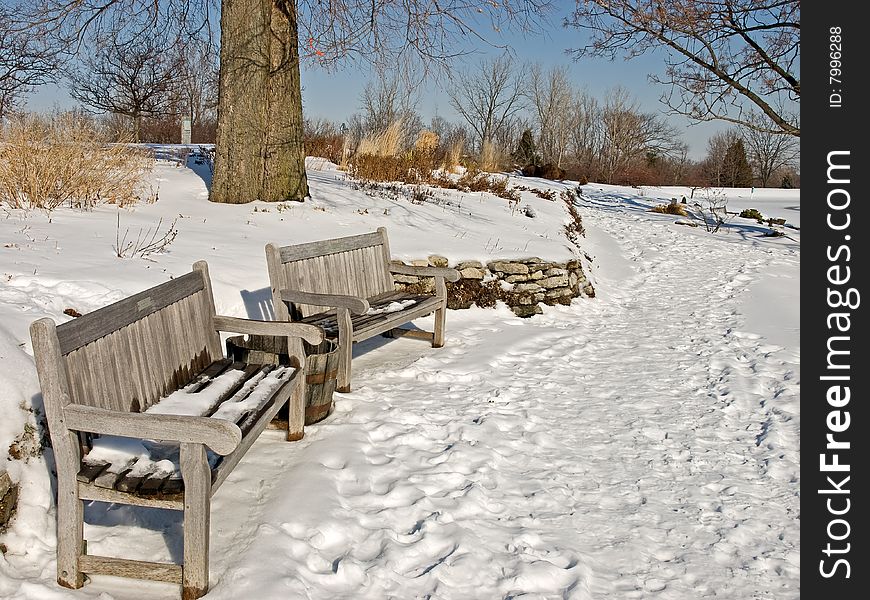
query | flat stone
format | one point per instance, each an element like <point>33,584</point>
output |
<point>536,275</point>
<point>542,266</point>
<point>558,293</point>
<point>527,311</point>
<point>531,259</point>
<point>471,273</point>
<point>554,282</point>
<point>527,287</point>
<point>554,271</point>
<point>511,268</point>
<point>539,297</point>
<point>470,264</point>
<point>437,260</point>
<point>420,263</point>
<point>516,278</point>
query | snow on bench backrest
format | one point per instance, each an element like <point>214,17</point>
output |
<point>356,265</point>
<point>127,355</point>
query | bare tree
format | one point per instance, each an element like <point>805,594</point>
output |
<point>551,96</point>
<point>714,164</point>
<point>629,135</point>
<point>769,152</point>
<point>488,97</point>
<point>585,134</point>
<point>389,99</point>
<point>134,80</point>
<point>27,59</point>
<point>723,55</point>
<point>260,151</point>
<point>196,83</point>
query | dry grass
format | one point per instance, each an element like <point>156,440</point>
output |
<point>490,157</point>
<point>427,142</point>
<point>453,155</point>
<point>61,160</point>
<point>386,143</point>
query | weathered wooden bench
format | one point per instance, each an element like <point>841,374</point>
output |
<point>151,367</point>
<point>345,286</point>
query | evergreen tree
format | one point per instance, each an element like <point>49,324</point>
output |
<point>526,153</point>
<point>736,171</point>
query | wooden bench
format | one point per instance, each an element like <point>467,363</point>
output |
<point>345,286</point>
<point>151,367</point>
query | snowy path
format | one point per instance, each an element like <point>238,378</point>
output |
<point>636,447</point>
<point>640,445</point>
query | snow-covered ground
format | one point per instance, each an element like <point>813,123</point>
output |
<point>642,444</point>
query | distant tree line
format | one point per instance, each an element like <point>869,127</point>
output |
<point>513,116</point>
<point>138,60</point>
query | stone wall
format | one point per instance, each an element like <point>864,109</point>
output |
<point>523,284</point>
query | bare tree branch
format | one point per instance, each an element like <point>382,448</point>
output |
<point>724,55</point>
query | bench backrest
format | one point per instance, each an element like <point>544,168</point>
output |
<point>129,354</point>
<point>356,265</point>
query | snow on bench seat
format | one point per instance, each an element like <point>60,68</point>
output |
<point>235,392</point>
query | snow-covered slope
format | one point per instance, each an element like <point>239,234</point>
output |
<point>640,444</point>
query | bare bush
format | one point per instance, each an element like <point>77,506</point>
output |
<point>48,162</point>
<point>147,241</point>
<point>714,209</point>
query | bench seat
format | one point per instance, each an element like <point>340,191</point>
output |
<point>387,311</point>
<point>149,470</point>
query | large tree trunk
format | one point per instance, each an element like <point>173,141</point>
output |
<point>259,153</point>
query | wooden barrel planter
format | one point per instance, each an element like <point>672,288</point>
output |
<point>321,368</point>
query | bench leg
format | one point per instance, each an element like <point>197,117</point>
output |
<point>438,334</point>
<point>70,530</point>
<point>296,411</point>
<point>441,313</point>
<point>197,503</point>
<point>345,348</point>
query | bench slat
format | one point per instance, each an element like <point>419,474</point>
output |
<point>326,247</point>
<point>94,325</point>
<point>110,477</point>
<point>90,471</point>
<point>137,569</point>
<point>151,485</point>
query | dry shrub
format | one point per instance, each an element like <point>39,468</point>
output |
<point>51,161</point>
<point>674,208</point>
<point>475,180</point>
<point>330,147</point>
<point>371,167</point>
<point>547,171</point>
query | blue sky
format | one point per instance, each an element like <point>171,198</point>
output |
<point>336,95</point>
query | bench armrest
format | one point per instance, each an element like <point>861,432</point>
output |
<point>357,306</point>
<point>310,333</point>
<point>447,274</point>
<point>218,434</point>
